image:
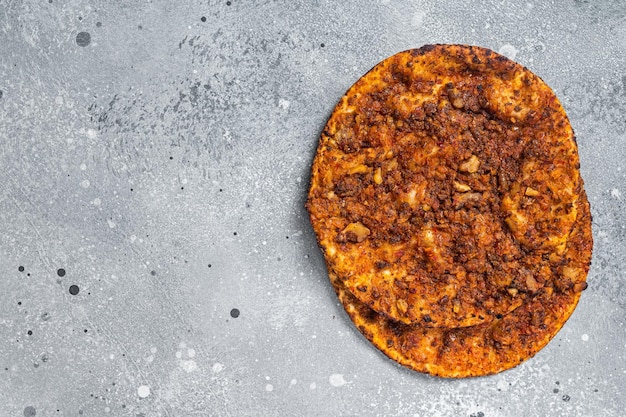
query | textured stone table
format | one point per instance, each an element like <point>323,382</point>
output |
<point>156,257</point>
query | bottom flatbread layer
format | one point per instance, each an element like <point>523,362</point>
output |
<point>487,348</point>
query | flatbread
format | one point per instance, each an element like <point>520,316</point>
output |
<point>446,196</point>
<point>487,348</point>
<point>445,187</point>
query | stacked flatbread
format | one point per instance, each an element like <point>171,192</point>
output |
<point>447,199</point>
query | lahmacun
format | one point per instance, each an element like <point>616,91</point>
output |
<point>444,193</point>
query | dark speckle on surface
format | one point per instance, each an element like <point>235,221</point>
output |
<point>1,93</point>
<point>74,290</point>
<point>98,24</point>
<point>83,39</point>
<point>20,268</point>
<point>566,398</point>
<point>234,313</point>
<point>203,18</point>
<point>30,411</point>
<point>61,272</point>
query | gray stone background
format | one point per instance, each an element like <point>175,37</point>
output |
<point>158,152</point>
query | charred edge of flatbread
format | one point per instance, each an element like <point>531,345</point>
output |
<point>487,348</point>
<point>471,56</point>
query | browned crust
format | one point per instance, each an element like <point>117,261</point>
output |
<point>444,187</point>
<point>487,348</point>
<point>446,196</point>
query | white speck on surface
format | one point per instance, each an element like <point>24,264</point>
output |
<point>179,354</point>
<point>502,385</point>
<point>585,337</point>
<point>336,380</point>
<point>217,368</point>
<point>58,100</point>
<point>191,353</point>
<point>293,381</point>
<point>83,166</point>
<point>91,134</point>
<point>84,183</point>
<point>615,193</point>
<point>269,388</point>
<point>267,378</point>
<point>143,391</point>
<point>508,51</point>
<point>107,409</point>
<point>153,350</point>
<point>418,18</point>
<point>313,385</point>
<point>283,104</point>
<point>96,201</point>
<point>189,366</point>
<point>111,223</point>
<point>150,358</point>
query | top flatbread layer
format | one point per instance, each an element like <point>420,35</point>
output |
<point>444,187</point>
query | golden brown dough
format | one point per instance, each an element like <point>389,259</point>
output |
<point>444,186</point>
<point>446,196</point>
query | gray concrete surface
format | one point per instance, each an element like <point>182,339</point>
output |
<point>158,153</point>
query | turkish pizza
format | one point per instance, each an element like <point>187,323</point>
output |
<point>447,199</point>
